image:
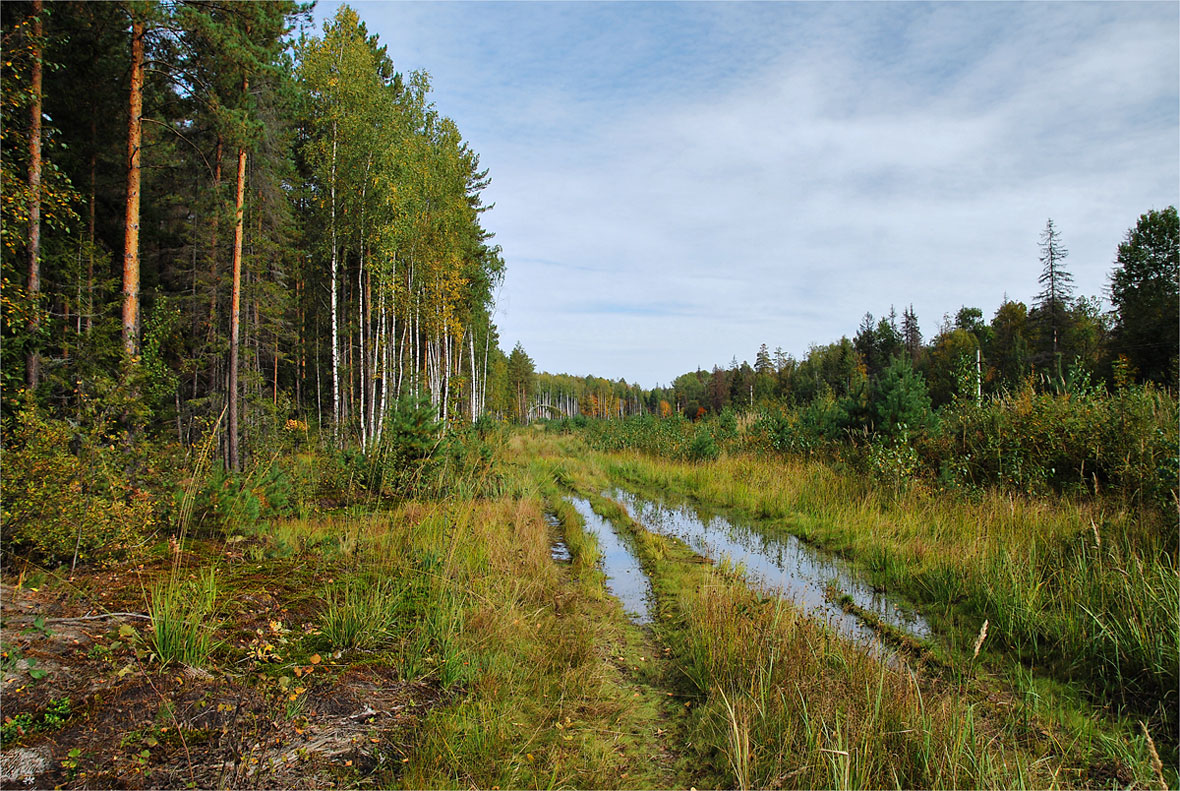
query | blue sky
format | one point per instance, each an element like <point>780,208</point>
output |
<point>677,183</point>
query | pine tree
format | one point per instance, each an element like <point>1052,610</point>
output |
<point>131,206</point>
<point>33,363</point>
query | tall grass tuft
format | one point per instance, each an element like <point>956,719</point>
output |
<point>182,632</point>
<point>361,614</point>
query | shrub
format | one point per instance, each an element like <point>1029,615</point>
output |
<point>402,461</point>
<point>900,398</point>
<point>67,495</point>
<point>703,447</point>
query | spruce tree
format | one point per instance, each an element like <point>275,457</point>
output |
<point>1056,286</point>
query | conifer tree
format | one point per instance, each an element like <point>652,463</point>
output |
<point>1056,286</point>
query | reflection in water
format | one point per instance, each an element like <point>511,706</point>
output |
<point>559,551</point>
<point>624,578</point>
<point>800,571</point>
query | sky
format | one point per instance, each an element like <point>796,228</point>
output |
<point>678,183</point>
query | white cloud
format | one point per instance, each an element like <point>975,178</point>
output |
<point>676,184</point>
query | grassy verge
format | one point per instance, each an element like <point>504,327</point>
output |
<point>437,644</point>
<point>978,720</point>
<point>1085,589</point>
<point>780,701</point>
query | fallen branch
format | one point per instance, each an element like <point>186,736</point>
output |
<point>99,617</point>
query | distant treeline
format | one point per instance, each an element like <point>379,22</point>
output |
<point>1056,344</point>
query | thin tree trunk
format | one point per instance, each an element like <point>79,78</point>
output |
<point>335,324</point>
<point>215,241</point>
<point>360,320</point>
<point>474,382</point>
<point>90,224</point>
<point>319,390</point>
<point>235,303</point>
<point>483,387</point>
<point>382,332</point>
<point>446,373</point>
<point>301,366</point>
<point>370,362</point>
<point>131,220</point>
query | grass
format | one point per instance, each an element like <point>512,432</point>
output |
<point>959,721</point>
<point>361,614</point>
<point>181,632</point>
<point>536,678</point>
<point>784,702</point>
<point>1086,587</point>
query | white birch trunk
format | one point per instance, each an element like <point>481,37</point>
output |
<point>335,324</point>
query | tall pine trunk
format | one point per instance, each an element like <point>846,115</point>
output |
<point>33,359</point>
<point>131,217</point>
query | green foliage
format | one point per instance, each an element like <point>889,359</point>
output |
<point>900,398</point>
<point>703,447</point>
<point>1145,291</point>
<point>1079,439</point>
<point>403,461</point>
<point>522,381</point>
<point>727,424</point>
<point>892,458</point>
<point>53,718</point>
<point>409,441</point>
<point>15,727</point>
<point>224,502</point>
<point>182,629</point>
<point>67,491</point>
<point>1035,442</point>
<point>464,463</point>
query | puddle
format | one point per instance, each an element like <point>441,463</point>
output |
<point>624,578</point>
<point>559,551</point>
<point>797,569</point>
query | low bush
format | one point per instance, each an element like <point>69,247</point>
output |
<point>71,494</point>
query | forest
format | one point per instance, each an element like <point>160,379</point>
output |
<point>280,511</point>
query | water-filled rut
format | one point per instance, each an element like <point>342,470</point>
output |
<point>801,572</point>
<point>624,577</point>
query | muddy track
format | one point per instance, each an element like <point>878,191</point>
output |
<point>640,672</point>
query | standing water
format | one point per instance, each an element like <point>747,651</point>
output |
<point>624,578</point>
<point>800,571</point>
<point>558,550</point>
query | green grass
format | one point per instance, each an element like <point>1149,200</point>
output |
<point>180,610</point>
<point>361,614</point>
<point>1085,587</point>
<point>537,678</point>
<point>783,702</point>
<point>979,725</point>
